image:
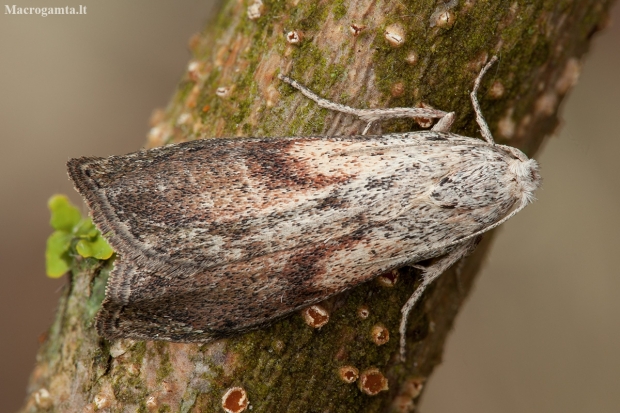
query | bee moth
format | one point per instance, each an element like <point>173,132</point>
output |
<point>220,236</point>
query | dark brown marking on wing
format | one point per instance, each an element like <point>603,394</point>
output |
<point>333,202</point>
<point>272,164</point>
<point>306,269</point>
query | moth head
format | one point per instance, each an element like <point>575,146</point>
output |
<point>526,172</point>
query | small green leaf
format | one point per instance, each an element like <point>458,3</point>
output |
<point>97,248</point>
<point>86,229</point>
<point>71,227</point>
<point>64,215</point>
<point>56,259</point>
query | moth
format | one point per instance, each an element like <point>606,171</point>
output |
<point>220,236</point>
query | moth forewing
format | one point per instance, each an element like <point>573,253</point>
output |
<point>244,231</point>
<point>215,237</point>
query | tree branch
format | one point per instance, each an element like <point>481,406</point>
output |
<point>365,54</point>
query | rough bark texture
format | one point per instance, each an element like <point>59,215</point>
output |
<point>231,89</point>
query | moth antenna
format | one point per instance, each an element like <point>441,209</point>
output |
<point>484,128</point>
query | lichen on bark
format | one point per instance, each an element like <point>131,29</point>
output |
<point>231,89</point>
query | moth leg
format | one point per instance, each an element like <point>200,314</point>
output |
<point>484,128</point>
<point>429,275</point>
<point>444,123</point>
<point>368,125</point>
<point>368,115</point>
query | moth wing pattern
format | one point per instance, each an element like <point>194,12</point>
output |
<point>220,236</point>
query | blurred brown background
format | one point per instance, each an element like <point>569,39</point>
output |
<point>541,332</point>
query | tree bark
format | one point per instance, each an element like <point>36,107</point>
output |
<point>231,89</point>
